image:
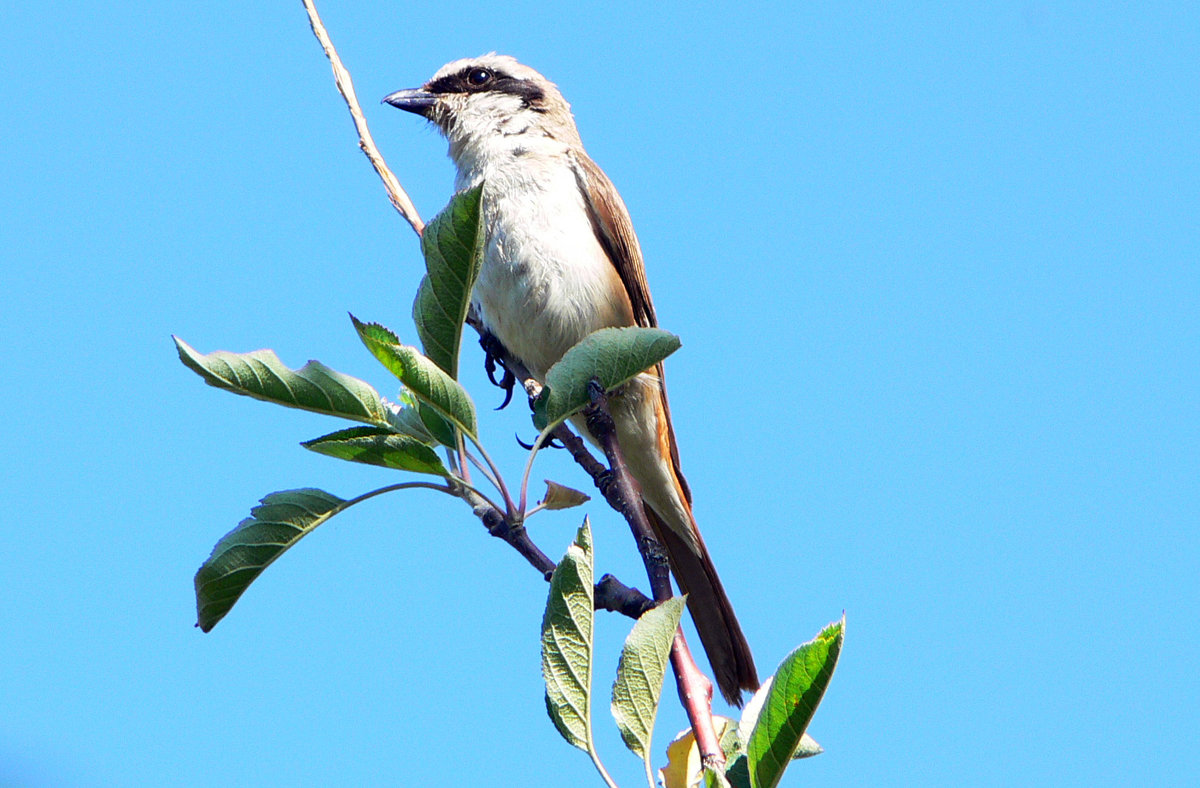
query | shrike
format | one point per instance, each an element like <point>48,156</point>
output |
<point>561,260</point>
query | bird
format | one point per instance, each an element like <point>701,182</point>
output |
<point>560,261</point>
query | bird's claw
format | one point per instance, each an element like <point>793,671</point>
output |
<point>493,355</point>
<point>553,443</point>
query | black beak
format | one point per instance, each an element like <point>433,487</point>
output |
<point>418,101</point>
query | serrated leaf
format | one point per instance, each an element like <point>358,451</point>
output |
<point>560,496</point>
<point>684,768</point>
<point>796,690</point>
<point>640,672</point>
<point>612,355</point>
<point>375,446</point>
<point>423,378</point>
<point>262,375</point>
<point>452,249</point>
<point>567,643</point>
<point>280,521</point>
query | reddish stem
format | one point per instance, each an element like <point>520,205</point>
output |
<point>695,689</point>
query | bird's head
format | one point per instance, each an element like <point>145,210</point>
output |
<point>490,101</point>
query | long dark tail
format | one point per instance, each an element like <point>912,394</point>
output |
<point>726,646</point>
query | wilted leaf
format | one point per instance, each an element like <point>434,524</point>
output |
<point>612,355</point>
<point>567,643</point>
<point>560,496</point>
<point>684,767</point>
<point>425,379</point>
<point>375,446</point>
<point>451,244</point>
<point>796,690</point>
<point>640,672</point>
<point>280,521</point>
<point>262,375</point>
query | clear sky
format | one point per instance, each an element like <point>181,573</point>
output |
<point>935,268</point>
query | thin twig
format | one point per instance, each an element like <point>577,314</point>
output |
<point>497,478</point>
<point>401,486</point>
<point>483,469</point>
<point>533,450</point>
<point>460,450</point>
<point>345,86</point>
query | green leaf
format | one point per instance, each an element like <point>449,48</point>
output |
<point>560,496</point>
<point>807,748</point>
<point>453,254</point>
<point>733,742</point>
<point>422,377</point>
<point>438,426</point>
<point>643,663</point>
<point>242,555</point>
<point>567,643</point>
<point>612,355</point>
<point>263,376</point>
<point>796,690</point>
<point>375,446</point>
<point>737,772</point>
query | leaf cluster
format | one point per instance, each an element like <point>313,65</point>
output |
<point>433,412</point>
<point>432,430</point>
<point>758,747</point>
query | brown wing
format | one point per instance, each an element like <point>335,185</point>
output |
<point>610,220</point>
<point>614,229</point>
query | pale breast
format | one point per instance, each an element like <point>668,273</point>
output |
<point>546,282</point>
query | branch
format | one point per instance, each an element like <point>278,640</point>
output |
<point>695,689</point>
<point>610,593</point>
<point>345,86</point>
<point>515,535</point>
<point>615,596</point>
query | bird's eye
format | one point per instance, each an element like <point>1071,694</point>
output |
<point>478,77</point>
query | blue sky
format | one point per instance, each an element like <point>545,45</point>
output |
<point>935,272</point>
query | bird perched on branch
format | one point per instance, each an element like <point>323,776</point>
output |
<point>561,260</point>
